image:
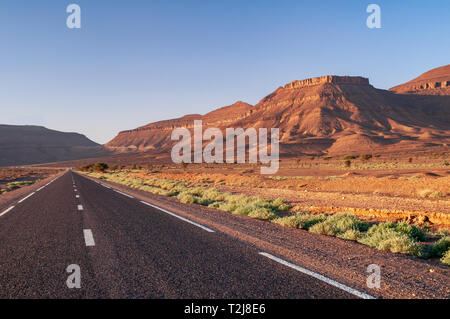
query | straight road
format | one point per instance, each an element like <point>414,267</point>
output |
<point>126,248</point>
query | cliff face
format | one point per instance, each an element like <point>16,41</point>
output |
<point>434,82</point>
<point>324,115</point>
<point>355,80</point>
<point>22,145</point>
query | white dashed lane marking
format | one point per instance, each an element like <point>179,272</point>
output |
<point>179,217</point>
<point>6,211</point>
<point>318,276</point>
<point>80,207</point>
<point>25,198</point>
<point>129,196</point>
<point>88,237</point>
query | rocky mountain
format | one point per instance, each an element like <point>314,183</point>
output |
<point>157,135</point>
<point>325,115</point>
<point>21,145</point>
<point>434,82</point>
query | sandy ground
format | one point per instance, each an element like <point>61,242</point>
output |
<point>417,195</point>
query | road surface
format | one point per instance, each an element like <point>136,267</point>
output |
<point>125,248</point>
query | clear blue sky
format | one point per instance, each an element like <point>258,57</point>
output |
<point>135,62</point>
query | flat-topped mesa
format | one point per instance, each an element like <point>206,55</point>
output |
<point>334,79</point>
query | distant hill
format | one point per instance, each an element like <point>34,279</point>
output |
<point>157,135</point>
<point>22,145</point>
<point>325,115</point>
<point>434,82</point>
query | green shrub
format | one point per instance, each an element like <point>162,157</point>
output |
<point>323,229</point>
<point>391,239</point>
<point>228,207</point>
<point>280,205</point>
<point>186,198</point>
<point>348,163</point>
<point>436,194</point>
<point>446,258</point>
<point>410,231</point>
<point>213,195</point>
<point>351,234</point>
<point>262,213</point>
<point>100,167</point>
<point>243,210</point>
<point>440,247</point>
<point>401,244</point>
<point>339,224</point>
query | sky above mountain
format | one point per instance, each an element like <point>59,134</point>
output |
<point>136,62</point>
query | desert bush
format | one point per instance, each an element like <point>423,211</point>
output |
<point>349,157</point>
<point>186,198</point>
<point>351,234</point>
<point>100,167</point>
<point>397,238</point>
<point>348,163</point>
<point>97,167</point>
<point>401,244</point>
<point>440,247</point>
<point>19,183</point>
<point>262,213</point>
<point>225,206</point>
<point>323,229</point>
<point>436,194</point>
<point>86,168</point>
<point>214,195</point>
<point>446,258</point>
<point>280,205</point>
<point>300,220</point>
<point>425,193</point>
<point>366,157</point>
<point>410,231</point>
<point>243,210</point>
<point>15,185</point>
<point>338,224</point>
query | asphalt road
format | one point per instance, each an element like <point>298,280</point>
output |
<point>128,249</point>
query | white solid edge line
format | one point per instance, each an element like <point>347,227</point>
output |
<point>318,276</point>
<point>179,217</point>
<point>39,189</point>
<point>105,186</point>
<point>7,211</point>
<point>129,196</point>
<point>25,198</point>
<point>80,207</point>
<point>88,237</point>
